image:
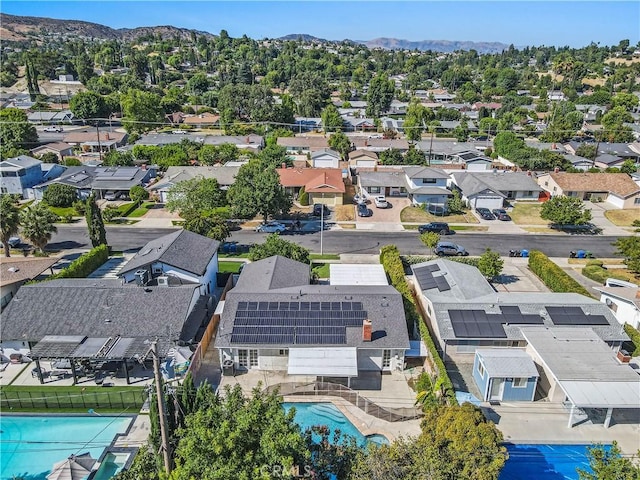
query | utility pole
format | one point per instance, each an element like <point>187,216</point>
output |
<point>161,413</point>
<point>322,224</point>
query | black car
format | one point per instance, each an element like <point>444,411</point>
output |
<point>501,214</point>
<point>438,227</point>
<point>320,209</point>
<point>364,211</point>
<point>485,213</point>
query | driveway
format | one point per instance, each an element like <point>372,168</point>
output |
<point>599,220</point>
<point>384,219</point>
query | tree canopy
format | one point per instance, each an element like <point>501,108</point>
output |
<point>275,245</point>
<point>60,195</point>
<point>9,221</point>
<point>490,264</point>
<point>609,464</point>
<point>563,210</point>
<point>630,248</point>
<point>15,131</point>
<point>95,223</point>
<point>195,195</point>
<point>38,225</point>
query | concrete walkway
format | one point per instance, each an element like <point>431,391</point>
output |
<point>598,219</point>
<point>574,270</point>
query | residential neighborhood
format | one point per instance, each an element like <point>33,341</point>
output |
<point>238,256</point>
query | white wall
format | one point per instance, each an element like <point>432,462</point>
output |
<point>625,312</point>
<point>369,359</point>
<point>270,359</point>
<point>615,201</point>
<point>325,162</point>
<point>483,201</point>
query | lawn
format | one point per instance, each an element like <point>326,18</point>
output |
<point>326,256</point>
<point>457,228</point>
<point>71,398</point>
<point>64,211</point>
<point>527,214</point>
<point>142,210</point>
<point>320,269</point>
<point>623,218</point>
<point>345,213</point>
<point>229,267</point>
<point>418,215</point>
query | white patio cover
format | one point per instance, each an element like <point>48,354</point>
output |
<point>328,362</point>
<point>602,394</point>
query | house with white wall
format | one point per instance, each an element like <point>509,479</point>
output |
<point>427,186</point>
<point>623,298</point>
<point>182,257</point>
<point>274,319</point>
<point>491,189</point>
<point>325,158</point>
<point>19,174</point>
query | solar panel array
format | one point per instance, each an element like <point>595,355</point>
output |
<point>574,316</point>
<point>480,324</point>
<point>426,280</point>
<point>295,323</point>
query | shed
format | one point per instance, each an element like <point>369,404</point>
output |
<point>505,374</point>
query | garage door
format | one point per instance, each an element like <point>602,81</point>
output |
<point>366,163</point>
<point>328,200</point>
<point>325,163</point>
<point>488,202</point>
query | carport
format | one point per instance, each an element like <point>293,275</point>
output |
<point>582,371</point>
<point>324,362</point>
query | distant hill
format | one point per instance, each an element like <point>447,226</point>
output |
<point>17,28</point>
<point>435,45</point>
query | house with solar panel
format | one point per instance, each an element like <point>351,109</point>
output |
<point>274,319</point>
<point>466,313</point>
<point>179,258</point>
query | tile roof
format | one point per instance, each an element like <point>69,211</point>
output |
<point>91,136</point>
<point>362,153</point>
<point>314,180</point>
<point>619,184</point>
<point>312,143</point>
<point>56,146</point>
<point>182,249</point>
<point>98,308</point>
<point>20,269</point>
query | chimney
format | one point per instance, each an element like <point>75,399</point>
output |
<point>366,330</point>
<point>556,170</point>
<point>529,173</point>
<point>623,356</point>
<point>143,166</point>
<point>283,165</point>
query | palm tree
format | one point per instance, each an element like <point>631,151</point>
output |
<point>9,221</point>
<point>38,225</point>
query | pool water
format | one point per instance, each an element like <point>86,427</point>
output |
<point>544,462</point>
<point>325,413</point>
<point>30,445</point>
<point>111,464</point>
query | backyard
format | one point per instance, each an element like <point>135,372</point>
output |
<point>418,215</point>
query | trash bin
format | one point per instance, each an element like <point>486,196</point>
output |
<point>525,253</point>
<point>581,254</point>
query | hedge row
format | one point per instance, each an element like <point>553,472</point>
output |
<point>390,260</point>
<point>556,279</point>
<point>408,260</point>
<point>85,264</point>
<point>634,335</point>
<point>600,274</point>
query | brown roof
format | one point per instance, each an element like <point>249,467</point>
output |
<point>92,136</point>
<point>202,118</point>
<point>314,180</point>
<point>313,143</point>
<point>21,269</point>
<point>362,153</point>
<point>619,184</point>
<point>366,142</point>
<point>57,147</point>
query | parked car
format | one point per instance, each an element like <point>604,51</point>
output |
<point>439,227</point>
<point>363,211</point>
<point>271,227</point>
<point>14,242</point>
<point>485,213</point>
<point>320,209</point>
<point>53,128</point>
<point>452,249</point>
<point>501,214</point>
<point>110,196</point>
<point>359,198</point>
<point>587,228</point>
<point>381,201</point>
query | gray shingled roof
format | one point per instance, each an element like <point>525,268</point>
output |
<point>182,249</point>
<point>83,306</point>
<point>22,161</point>
<point>466,281</point>
<point>382,179</point>
<point>425,172</point>
<point>503,362</point>
<point>383,303</point>
<point>224,174</point>
<point>272,273</point>
<point>472,183</point>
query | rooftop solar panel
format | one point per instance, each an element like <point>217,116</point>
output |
<point>506,310</point>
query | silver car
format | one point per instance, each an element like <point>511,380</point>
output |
<point>451,249</point>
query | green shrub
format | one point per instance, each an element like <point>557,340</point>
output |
<point>634,335</point>
<point>303,197</point>
<point>85,264</point>
<point>599,263</point>
<point>556,279</point>
<point>392,263</point>
<point>598,273</point>
<point>110,213</point>
<point>80,206</point>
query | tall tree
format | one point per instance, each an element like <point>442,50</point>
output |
<point>416,120</point>
<point>142,110</point>
<point>430,240</point>
<point>340,143</point>
<point>257,190</point>
<point>60,195</point>
<point>9,221</point>
<point>15,131</point>
<point>38,225</point>
<point>609,464</point>
<point>196,195</point>
<point>565,211</point>
<point>331,119</point>
<point>630,248</point>
<point>88,105</point>
<point>275,245</point>
<point>380,95</point>
<point>207,223</point>
<point>490,264</point>
<point>95,224</point>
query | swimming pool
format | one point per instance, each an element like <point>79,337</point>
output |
<point>326,413</point>
<point>544,462</point>
<point>30,445</point>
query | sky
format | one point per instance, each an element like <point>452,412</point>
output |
<point>572,23</point>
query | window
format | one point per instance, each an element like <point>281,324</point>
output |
<point>386,358</point>
<point>636,201</point>
<point>253,358</point>
<point>529,193</point>
<point>374,189</point>
<point>481,368</point>
<point>546,184</point>
<point>243,358</point>
<point>426,181</point>
<point>555,189</point>
<point>283,352</point>
<point>519,383</point>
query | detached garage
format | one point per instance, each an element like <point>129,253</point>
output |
<point>325,158</point>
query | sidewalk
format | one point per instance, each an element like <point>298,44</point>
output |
<point>574,270</point>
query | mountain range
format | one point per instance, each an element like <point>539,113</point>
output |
<point>15,28</point>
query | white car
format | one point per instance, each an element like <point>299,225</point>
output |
<point>53,128</point>
<point>381,201</point>
<point>271,227</point>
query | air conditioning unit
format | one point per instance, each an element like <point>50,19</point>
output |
<point>163,281</point>
<point>157,270</point>
<point>142,277</point>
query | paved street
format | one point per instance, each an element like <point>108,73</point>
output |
<point>357,241</point>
